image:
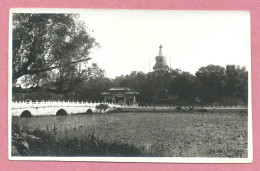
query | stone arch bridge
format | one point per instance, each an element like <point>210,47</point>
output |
<point>47,108</point>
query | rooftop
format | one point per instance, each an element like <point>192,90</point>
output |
<point>119,89</point>
<point>132,92</point>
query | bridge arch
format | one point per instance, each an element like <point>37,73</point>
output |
<point>61,112</point>
<point>26,113</point>
<point>89,111</point>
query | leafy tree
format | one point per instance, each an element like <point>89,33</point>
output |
<point>236,84</point>
<point>182,86</point>
<point>120,81</point>
<point>92,89</point>
<point>46,45</point>
<point>211,83</point>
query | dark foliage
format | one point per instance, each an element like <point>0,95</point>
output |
<point>47,50</point>
<point>116,110</point>
<point>102,106</point>
<point>178,108</point>
<point>212,85</point>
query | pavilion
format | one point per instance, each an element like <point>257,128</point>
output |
<point>120,95</point>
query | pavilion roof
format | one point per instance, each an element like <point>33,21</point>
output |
<point>132,92</point>
<point>119,89</point>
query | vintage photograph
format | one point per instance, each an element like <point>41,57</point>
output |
<point>130,85</point>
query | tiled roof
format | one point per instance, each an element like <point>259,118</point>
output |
<point>132,92</point>
<point>119,88</point>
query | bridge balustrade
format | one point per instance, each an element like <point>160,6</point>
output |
<point>52,103</point>
<point>17,104</point>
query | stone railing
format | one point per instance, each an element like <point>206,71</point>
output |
<point>185,107</point>
<point>17,104</point>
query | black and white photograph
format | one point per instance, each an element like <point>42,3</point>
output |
<point>130,85</point>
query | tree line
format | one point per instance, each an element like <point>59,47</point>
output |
<point>211,85</point>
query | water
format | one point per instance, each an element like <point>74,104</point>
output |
<point>173,134</point>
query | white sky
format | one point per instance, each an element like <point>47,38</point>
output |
<point>190,39</point>
<point>129,39</point>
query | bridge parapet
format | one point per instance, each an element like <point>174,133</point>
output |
<point>184,107</point>
<point>24,104</point>
<point>45,108</point>
<point>42,108</point>
<point>18,104</point>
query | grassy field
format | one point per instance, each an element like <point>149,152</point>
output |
<point>178,134</point>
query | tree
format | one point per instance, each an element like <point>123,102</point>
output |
<point>48,44</point>
<point>182,86</point>
<point>236,84</point>
<point>211,83</point>
<point>73,77</point>
<point>92,89</point>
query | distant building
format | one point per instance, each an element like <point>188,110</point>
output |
<point>160,64</point>
<point>120,95</point>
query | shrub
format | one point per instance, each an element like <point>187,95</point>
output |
<point>19,144</point>
<point>191,108</point>
<point>102,106</point>
<point>178,108</point>
<point>115,110</point>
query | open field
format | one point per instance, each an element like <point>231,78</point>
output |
<point>177,134</point>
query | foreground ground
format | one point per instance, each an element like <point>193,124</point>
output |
<point>179,134</point>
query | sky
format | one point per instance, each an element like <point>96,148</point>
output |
<point>130,39</point>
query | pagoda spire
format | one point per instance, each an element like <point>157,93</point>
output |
<point>161,63</point>
<point>160,50</point>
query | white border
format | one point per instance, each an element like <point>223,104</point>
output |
<point>249,159</point>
